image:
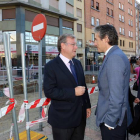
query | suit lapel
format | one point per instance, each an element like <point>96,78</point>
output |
<point>65,70</point>
<point>110,51</point>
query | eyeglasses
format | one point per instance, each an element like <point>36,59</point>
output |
<point>71,44</point>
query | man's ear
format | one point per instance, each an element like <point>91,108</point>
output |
<point>106,39</point>
<point>62,46</point>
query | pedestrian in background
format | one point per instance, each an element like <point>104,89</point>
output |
<point>135,70</point>
<point>64,83</point>
<point>113,112</point>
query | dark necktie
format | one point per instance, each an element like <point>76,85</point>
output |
<point>73,71</point>
<point>104,58</point>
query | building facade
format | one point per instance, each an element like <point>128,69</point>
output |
<point>79,29</point>
<point>16,17</point>
<point>137,28</point>
<point>120,14</point>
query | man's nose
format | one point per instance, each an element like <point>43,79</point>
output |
<point>76,47</point>
<point>95,44</point>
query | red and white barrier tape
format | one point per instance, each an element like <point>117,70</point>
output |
<point>32,123</point>
<point>5,110</point>
<point>38,103</point>
<point>92,90</point>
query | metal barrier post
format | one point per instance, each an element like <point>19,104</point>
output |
<point>24,80</point>
<point>7,50</point>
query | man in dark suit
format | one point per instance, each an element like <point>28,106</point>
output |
<point>64,83</point>
<point>113,112</point>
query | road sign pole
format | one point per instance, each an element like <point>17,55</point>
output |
<point>38,30</point>
<point>40,80</point>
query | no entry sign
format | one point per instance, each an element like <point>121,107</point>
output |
<point>39,27</point>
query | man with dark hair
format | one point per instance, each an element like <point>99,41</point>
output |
<point>64,83</point>
<point>113,111</point>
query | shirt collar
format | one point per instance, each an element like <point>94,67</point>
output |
<point>64,59</point>
<point>108,50</point>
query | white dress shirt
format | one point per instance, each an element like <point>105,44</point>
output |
<point>66,61</point>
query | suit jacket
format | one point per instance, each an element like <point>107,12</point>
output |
<point>66,109</point>
<point>113,83</point>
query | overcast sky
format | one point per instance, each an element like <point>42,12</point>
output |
<point>138,1</point>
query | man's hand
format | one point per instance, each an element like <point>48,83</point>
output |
<point>137,100</point>
<point>88,112</point>
<point>79,91</point>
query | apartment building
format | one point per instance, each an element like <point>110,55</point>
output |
<point>79,29</point>
<point>16,17</point>
<point>137,28</point>
<point>120,14</point>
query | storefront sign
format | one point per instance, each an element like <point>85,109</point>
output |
<point>33,48</point>
<point>51,50</point>
<point>13,48</point>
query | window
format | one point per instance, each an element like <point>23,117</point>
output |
<point>93,37</point>
<point>129,33</point>
<point>79,27</point>
<point>92,20</point>
<point>131,12</point>
<point>79,43</point>
<point>53,21</point>
<point>28,37</point>
<point>97,5</point>
<point>92,3</point>
<point>120,42</point>
<point>51,40</point>
<point>131,23</point>
<point>123,31</point>
<point>122,6</point>
<point>130,44</point>
<point>12,35</point>
<point>67,25</point>
<point>79,12</point>
<point>123,43</point>
<point>107,10</point>
<point>122,18</point>
<point>97,22</point>
<point>30,15</point>
<point>128,11</point>
<point>112,13</point>
<point>120,29</point>
<point>8,14</point>
<point>119,5</point>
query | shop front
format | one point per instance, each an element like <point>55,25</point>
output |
<point>93,59</point>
